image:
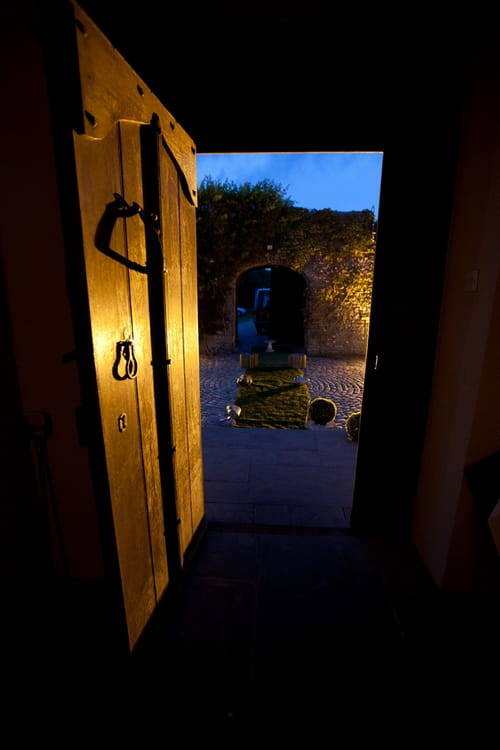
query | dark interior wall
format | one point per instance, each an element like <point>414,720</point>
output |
<point>449,520</point>
<point>308,84</point>
<point>53,469</point>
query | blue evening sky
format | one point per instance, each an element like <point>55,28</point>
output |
<point>340,181</point>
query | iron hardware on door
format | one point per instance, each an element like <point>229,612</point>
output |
<point>122,422</point>
<point>125,364</point>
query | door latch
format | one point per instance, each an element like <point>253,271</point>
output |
<point>122,422</point>
<point>125,364</point>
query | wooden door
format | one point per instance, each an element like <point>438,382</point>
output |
<point>135,190</point>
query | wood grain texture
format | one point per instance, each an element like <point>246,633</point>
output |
<point>110,162</point>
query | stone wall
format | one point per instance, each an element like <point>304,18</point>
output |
<point>333,329</point>
<point>335,255</point>
<point>330,329</point>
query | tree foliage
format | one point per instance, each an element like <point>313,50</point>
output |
<point>234,223</point>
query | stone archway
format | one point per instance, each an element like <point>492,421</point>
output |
<point>336,300</point>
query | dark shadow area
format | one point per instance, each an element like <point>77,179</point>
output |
<point>287,308</point>
<point>274,299</point>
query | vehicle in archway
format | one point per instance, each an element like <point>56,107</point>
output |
<point>262,307</point>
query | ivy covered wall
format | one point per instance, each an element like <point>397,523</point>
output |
<point>334,251</point>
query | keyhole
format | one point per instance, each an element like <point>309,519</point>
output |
<point>122,422</point>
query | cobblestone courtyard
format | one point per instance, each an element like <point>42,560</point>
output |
<point>338,379</point>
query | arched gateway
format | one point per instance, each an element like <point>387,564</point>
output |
<point>278,308</point>
<point>317,307</point>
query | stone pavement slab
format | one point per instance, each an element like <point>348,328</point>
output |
<point>279,477</point>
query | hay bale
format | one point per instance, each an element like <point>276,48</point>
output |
<point>249,361</point>
<point>297,361</point>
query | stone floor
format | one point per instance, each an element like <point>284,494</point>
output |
<point>283,617</point>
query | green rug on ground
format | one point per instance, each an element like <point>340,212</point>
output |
<point>273,400</point>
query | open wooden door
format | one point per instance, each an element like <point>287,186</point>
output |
<point>133,179</point>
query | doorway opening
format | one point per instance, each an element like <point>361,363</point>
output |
<point>322,307</point>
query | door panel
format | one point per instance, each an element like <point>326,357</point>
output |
<point>142,344</point>
<point>191,361</point>
<point>175,350</point>
<point>141,288</point>
<point>181,311</point>
<point>118,305</point>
